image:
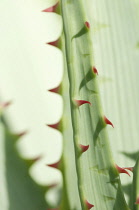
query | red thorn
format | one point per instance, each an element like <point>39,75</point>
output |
<point>52,185</point>
<point>121,170</point>
<point>55,43</point>
<point>81,102</point>
<point>51,9</point>
<point>84,148</point>
<point>137,201</point>
<point>87,24</point>
<point>129,168</point>
<point>55,126</point>
<point>22,133</point>
<point>95,70</point>
<point>89,205</point>
<point>108,121</point>
<point>36,158</point>
<point>55,90</point>
<point>54,165</point>
<point>6,104</point>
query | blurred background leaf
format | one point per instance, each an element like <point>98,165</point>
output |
<point>28,68</point>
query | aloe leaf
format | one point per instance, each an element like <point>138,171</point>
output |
<point>94,172</point>
<point>96,166</point>
<point>116,57</point>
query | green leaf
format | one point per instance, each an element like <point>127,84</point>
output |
<point>88,126</point>
<point>117,57</point>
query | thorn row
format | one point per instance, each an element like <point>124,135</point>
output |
<point>78,103</point>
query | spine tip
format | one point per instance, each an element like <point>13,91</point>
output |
<point>54,43</point>
<point>88,205</point>
<point>121,170</point>
<point>55,90</point>
<point>84,148</point>
<point>81,102</point>
<point>108,122</point>
<point>55,126</point>
<point>51,9</point>
<point>54,165</point>
<point>87,24</point>
<point>95,70</point>
<point>129,168</point>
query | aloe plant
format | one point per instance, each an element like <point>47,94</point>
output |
<point>90,173</point>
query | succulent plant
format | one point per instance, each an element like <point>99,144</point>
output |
<point>90,172</point>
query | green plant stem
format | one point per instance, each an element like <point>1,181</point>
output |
<point>88,126</point>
